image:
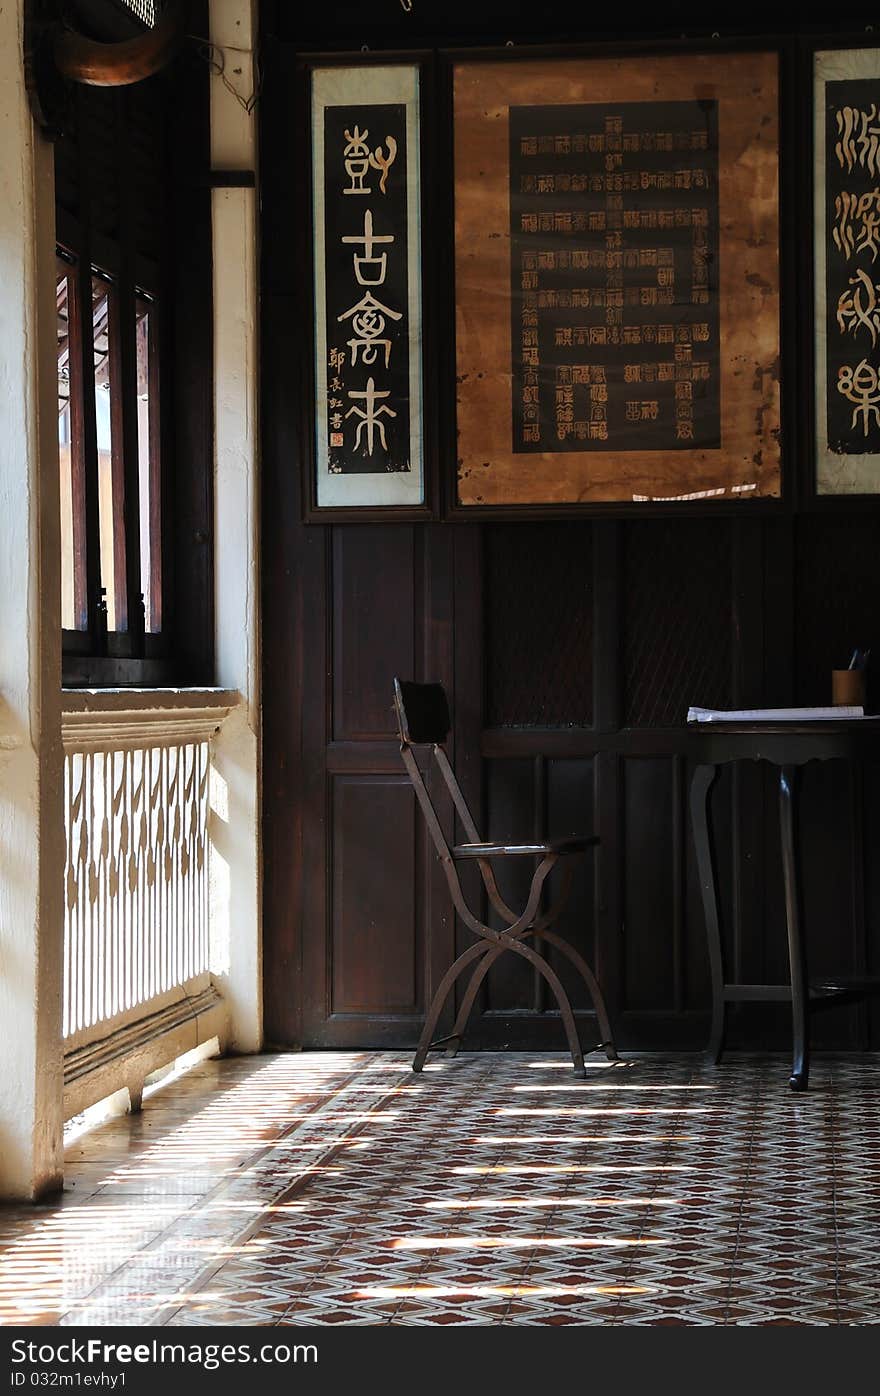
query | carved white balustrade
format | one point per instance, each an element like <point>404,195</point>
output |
<point>137,932</point>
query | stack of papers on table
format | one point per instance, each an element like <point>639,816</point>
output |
<point>774,714</point>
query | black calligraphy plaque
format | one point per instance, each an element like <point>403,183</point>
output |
<point>367,289</point>
<point>852,244</point>
<point>615,277</point>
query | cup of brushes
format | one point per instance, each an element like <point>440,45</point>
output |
<point>848,686</point>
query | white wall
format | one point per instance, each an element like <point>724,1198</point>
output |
<point>31,804</point>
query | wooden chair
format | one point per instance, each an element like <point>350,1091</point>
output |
<point>423,720</point>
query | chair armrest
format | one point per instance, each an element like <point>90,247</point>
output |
<point>560,847</point>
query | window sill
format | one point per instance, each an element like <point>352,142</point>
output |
<point>113,670</point>
<point>106,718</point>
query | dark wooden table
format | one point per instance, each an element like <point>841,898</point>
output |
<point>789,746</point>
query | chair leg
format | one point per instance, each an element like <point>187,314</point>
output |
<point>467,1003</point>
<point>580,964</point>
<point>462,963</point>
<point>440,997</point>
<point>493,952</point>
<point>561,997</point>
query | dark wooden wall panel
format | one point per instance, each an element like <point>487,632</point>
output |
<point>146,153</point>
<point>838,597</point>
<point>570,794</point>
<point>827,802</point>
<point>826,799</point>
<point>99,129</point>
<point>648,896</point>
<point>373,916</point>
<point>539,625</point>
<point>677,604</point>
<point>373,588</point>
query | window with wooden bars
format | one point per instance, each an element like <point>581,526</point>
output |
<point>110,454</point>
<point>135,432</point>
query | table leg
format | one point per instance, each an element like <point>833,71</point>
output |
<point>797,955</point>
<point>701,788</point>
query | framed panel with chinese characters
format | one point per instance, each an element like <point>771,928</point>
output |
<point>368,423</point>
<point>617,279</point>
<point>846,190</point>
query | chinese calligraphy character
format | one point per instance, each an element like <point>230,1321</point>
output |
<point>859,143</point>
<point>369,239</point>
<point>860,307</point>
<point>860,386</point>
<point>850,209</point>
<point>359,160</point>
<point>368,323</point>
<point>369,416</point>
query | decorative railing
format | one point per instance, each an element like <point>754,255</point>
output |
<point>136,879</point>
<point>137,929</point>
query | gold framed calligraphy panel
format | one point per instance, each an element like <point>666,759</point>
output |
<point>617,279</point>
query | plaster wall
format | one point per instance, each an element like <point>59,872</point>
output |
<point>31,805</point>
<point>236,840</point>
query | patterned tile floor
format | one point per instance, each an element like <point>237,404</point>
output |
<point>329,1188</point>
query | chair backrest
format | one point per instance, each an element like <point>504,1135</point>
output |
<point>422,713</point>
<point>423,720</point>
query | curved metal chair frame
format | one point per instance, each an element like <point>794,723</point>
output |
<point>423,720</point>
